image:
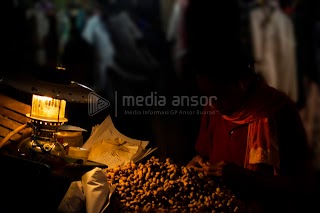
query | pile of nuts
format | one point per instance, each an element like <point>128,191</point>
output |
<point>165,187</point>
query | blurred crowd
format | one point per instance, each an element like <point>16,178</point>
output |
<point>135,47</point>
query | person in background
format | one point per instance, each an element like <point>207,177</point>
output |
<point>95,32</point>
<point>251,136</point>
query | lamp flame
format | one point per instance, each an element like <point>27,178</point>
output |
<point>49,109</point>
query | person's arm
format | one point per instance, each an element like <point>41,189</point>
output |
<point>203,141</point>
<point>202,145</point>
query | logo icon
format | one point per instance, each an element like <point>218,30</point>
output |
<point>96,103</point>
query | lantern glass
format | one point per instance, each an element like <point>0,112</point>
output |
<point>47,109</point>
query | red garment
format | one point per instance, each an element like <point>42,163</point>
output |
<point>220,139</point>
<point>272,116</point>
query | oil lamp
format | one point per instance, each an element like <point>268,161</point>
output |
<point>46,116</point>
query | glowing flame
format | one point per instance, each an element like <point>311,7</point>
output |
<point>47,108</point>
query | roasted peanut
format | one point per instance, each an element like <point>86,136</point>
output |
<point>169,188</point>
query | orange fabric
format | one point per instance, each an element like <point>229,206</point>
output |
<point>262,146</point>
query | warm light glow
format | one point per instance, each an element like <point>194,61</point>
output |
<point>60,68</point>
<point>46,108</point>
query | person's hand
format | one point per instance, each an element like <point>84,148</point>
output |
<point>223,168</point>
<point>197,163</point>
<point>214,169</point>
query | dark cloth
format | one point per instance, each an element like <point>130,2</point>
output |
<point>317,48</point>
<point>305,17</point>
